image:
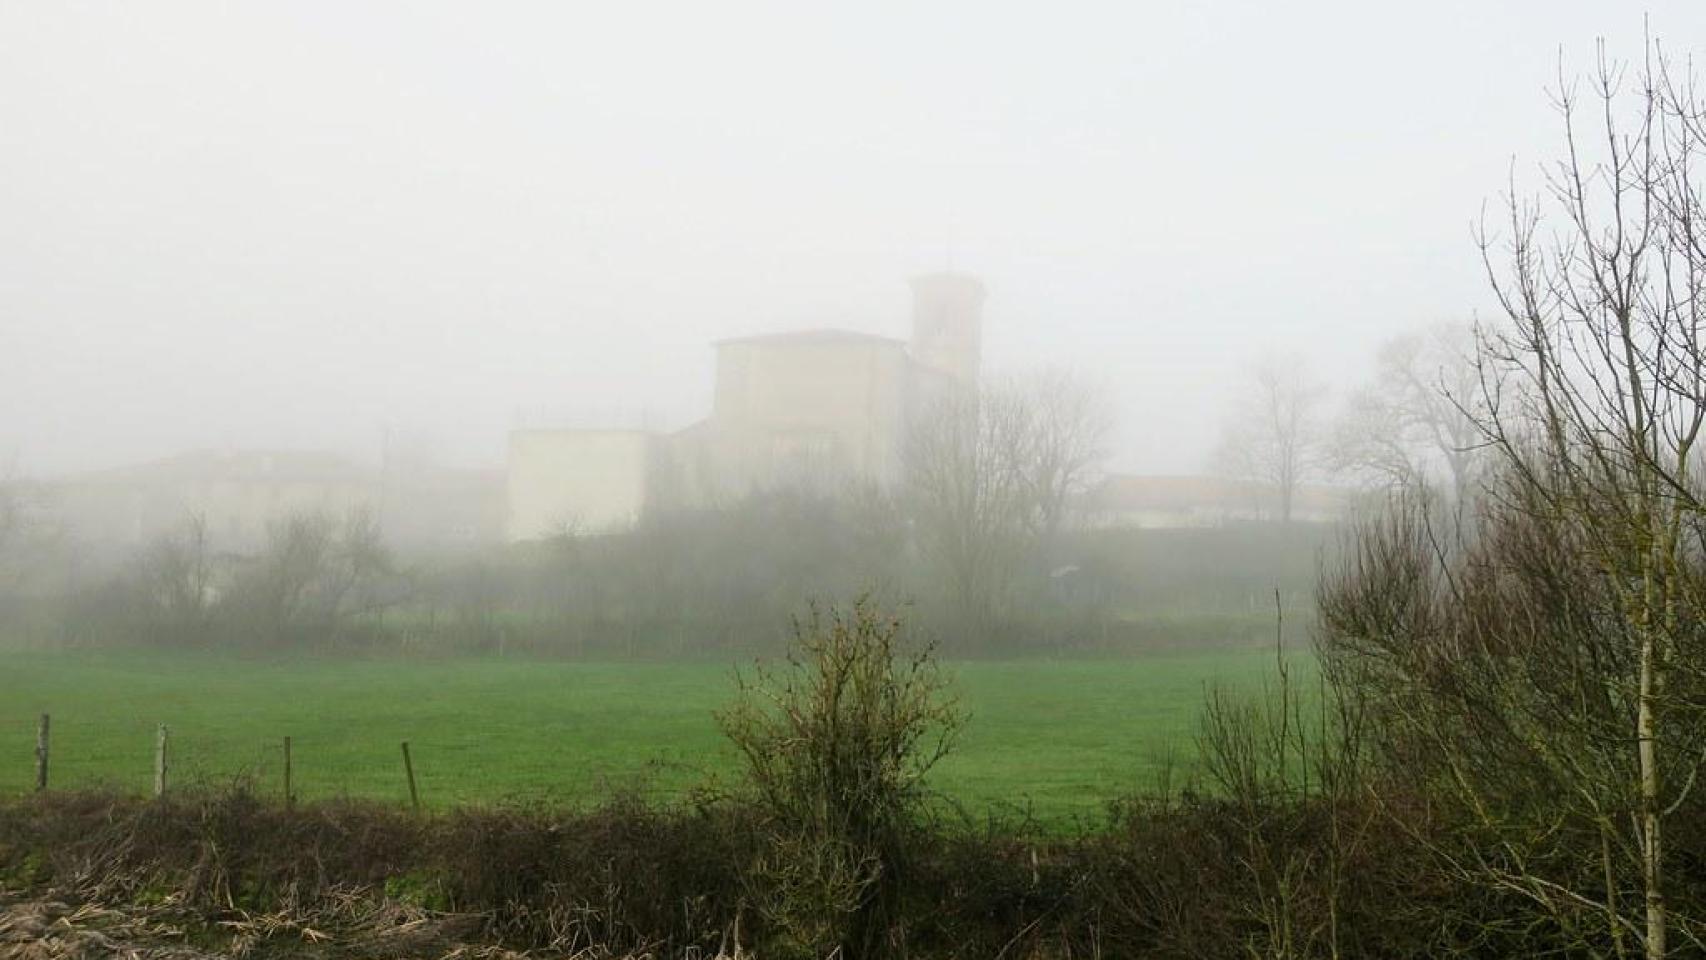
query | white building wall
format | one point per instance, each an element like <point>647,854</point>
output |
<point>836,405</point>
<point>585,481</point>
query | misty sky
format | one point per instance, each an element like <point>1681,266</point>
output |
<point>301,224</point>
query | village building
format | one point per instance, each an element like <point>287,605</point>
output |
<point>822,407</point>
<point>232,493</point>
<point>826,409</point>
<point>239,495</point>
<point>1125,500</point>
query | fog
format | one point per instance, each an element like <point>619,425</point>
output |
<point>859,480</point>
<point>304,225</point>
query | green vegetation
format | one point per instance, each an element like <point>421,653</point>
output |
<point>838,746</point>
<point>1064,736</point>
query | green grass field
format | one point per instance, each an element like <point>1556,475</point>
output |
<point>1062,737</point>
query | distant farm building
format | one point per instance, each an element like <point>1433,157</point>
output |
<point>239,494</point>
<point>1173,502</point>
<point>235,494</point>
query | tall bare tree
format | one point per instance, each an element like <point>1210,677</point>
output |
<point>12,524</point>
<point>11,511</point>
<point>32,542</point>
<point>970,498</point>
<point>1555,664</point>
<point>1597,396</point>
<point>991,477</point>
<point>175,575</point>
<point>1415,421</point>
<point>1066,422</point>
<point>1274,436</point>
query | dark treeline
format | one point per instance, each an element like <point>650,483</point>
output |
<point>987,535</point>
<point>682,583</point>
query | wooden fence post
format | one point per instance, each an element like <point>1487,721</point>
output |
<point>289,798</point>
<point>409,768</point>
<point>41,753</point>
<point>160,761</point>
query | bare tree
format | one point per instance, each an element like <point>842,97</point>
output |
<point>23,509</point>
<point>12,534</point>
<point>1064,436</point>
<point>175,575</point>
<point>970,498</point>
<point>1415,421</point>
<point>11,512</point>
<point>316,576</point>
<point>1596,398</point>
<point>1553,667</point>
<point>992,476</point>
<point>34,549</point>
<point>1274,436</point>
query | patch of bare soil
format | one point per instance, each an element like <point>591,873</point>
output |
<point>43,927</point>
<point>46,929</point>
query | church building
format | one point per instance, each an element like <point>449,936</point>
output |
<point>823,407</point>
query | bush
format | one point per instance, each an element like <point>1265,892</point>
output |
<point>836,746</point>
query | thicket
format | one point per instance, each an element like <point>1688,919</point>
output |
<point>829,846</point>
<point>1164,881</point>
<point>1534,663</point>
<point>317,581</point>
<point>1425,802</point>
<point>702,583</point>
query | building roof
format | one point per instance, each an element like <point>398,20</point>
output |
<point>520,432</point>
<point>1131,492</point>
<point>824,335</point>
<point>956,278</point>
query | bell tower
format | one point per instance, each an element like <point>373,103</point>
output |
<point>947,324</point>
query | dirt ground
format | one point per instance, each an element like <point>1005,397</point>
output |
<point>45,929</point>
<point>42,927</point>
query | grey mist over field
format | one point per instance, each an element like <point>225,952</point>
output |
<point>865,480</point>
<point>308,225</point>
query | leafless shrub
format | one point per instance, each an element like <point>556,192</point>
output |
<point>837,745</point>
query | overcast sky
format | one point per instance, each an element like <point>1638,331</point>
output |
<point>301,224</point>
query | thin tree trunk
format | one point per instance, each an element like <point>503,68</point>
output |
<point>1652,860</point>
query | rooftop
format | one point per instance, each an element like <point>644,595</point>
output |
<point>825,336</point>
<point>1124,491</point>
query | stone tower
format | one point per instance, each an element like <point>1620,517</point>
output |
<point>947,324</point>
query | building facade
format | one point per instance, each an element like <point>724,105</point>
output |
<point>1180,502</point>
<point>234,494</point>
<point>818,407</point>
<point>239,496</point>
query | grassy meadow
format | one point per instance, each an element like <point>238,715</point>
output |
<point>1059,737</point>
